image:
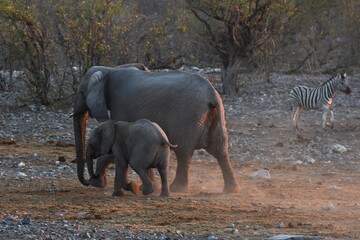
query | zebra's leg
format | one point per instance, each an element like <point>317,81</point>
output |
<point>331,119</point>
<point>324,113</point>
<point>331,124</point>
<point>297,111</point>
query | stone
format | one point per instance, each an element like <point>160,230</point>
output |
<point>262,173</point>
<point>295,237</point>
<point>330,207</point>
<point>337,148</point>
<point>21,174</point>
<point>21,164</point>
<point>26,220</point>
<point>310,160</point>
<point>280,225</point>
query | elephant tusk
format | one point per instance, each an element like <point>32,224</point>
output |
<point>72,115</point>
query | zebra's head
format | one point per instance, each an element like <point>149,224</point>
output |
<point>343,84</point>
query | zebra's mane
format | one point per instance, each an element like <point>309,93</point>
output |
<point>332,79</point>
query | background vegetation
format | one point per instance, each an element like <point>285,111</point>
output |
<point>49,44</point>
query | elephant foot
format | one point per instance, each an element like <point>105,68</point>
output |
<point>147,191</point>
<point>180,188</point>
<point>154,186</point>
<point>165,194</point>
<point>133,186</point>
<point>231,188</point>
<point>119,193</point>
<point>98,182</point>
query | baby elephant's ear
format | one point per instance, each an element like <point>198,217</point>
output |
<point>95,99</point>
<point>107,137</point>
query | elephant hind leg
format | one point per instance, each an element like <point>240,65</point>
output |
<point>151,174</point>
<point>163,169</point>
<point>133,186</point>
<point>222,156</point>
<point>147,184</point>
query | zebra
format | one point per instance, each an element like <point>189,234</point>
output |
<point>318,98</point>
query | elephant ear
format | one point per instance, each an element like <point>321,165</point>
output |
<point>107,137</point>
<point>95,99</point>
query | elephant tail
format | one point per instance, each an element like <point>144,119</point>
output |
<point>170,145</point>
<point>217,117</point>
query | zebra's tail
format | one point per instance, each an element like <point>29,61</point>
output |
<point>290,104</point>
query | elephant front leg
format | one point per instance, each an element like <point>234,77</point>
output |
<point>121,178</point>
<point>102,165</point>
<point>132,186</point>
<point>119,181</point>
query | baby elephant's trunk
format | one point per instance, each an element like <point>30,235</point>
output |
<point>89,162</point>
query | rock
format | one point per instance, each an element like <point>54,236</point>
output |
<point>280,225</point>
<point>10,141</point>
<point>62,159</point>
<point>317,138</point>
<point>337,148</point>
<point>232,230</point>
<point>21,164</point>
<point>333,187</point>
<point>295,167</point>
<point>21,175</point>
<point>330,207</point>
<point>291,225</point>
<point>180,233</point>
<point>10,219</point>
<point>26,220</point>
<point>262,173</point>
<point>310,160</point>
<point>295,237</point>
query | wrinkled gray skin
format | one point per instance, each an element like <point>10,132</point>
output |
<point>141,144</point>
<point>186,107</point>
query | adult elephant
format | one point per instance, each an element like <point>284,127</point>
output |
<point>186,106</point>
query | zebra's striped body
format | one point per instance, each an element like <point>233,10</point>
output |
<point>318,98</point>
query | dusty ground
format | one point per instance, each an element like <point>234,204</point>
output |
<point>312,190</point>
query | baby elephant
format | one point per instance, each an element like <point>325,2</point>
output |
<point>141,144</point>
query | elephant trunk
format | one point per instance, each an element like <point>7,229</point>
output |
<point>89,162</point>
<point>79,120</point>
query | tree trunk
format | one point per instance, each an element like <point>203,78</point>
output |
<point>230,78</point>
